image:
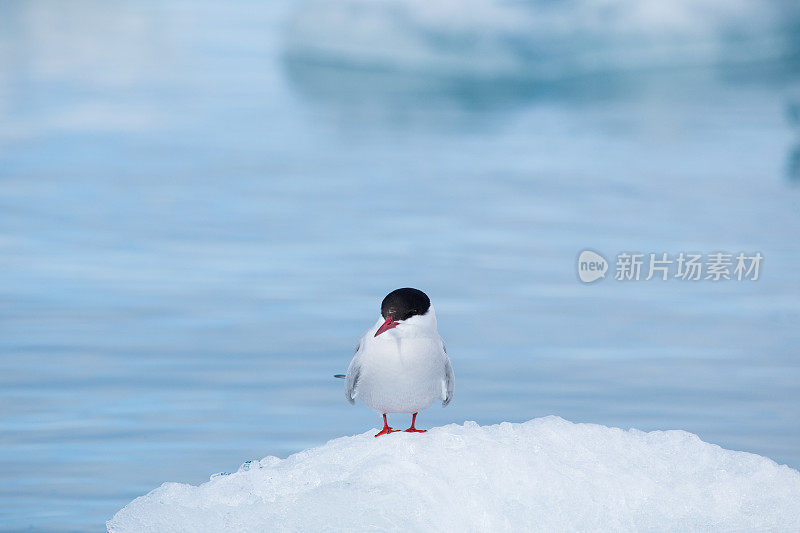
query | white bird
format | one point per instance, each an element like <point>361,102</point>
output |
<point>400,364</point>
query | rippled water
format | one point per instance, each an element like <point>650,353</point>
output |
<point>201,207</point>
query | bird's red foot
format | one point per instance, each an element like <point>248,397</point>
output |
<point>412,429</point>
<point>386,429</point>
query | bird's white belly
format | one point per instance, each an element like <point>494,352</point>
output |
<point>402,381</point>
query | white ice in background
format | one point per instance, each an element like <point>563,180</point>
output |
<point>546,474</point>
<point>501,39</point>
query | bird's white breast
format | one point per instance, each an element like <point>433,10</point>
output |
<point>403,369</point>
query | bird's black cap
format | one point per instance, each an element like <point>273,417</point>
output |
<point>404,303</point>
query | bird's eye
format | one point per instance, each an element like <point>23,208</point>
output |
<point>409,314</point>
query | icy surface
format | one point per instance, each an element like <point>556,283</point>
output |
<point>546,474</point>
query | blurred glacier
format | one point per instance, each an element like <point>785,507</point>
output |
<point>515,40</point>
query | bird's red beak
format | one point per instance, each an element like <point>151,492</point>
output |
<point>386,326</point>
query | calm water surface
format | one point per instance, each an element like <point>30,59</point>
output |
<point>199,215</point>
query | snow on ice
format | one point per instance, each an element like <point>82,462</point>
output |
<point>543,475</point>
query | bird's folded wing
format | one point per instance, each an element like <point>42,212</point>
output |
<point>353,372</point>
<point>449,383</point>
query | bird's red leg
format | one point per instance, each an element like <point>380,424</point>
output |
<point>386,429</point>
<point>412,429</point>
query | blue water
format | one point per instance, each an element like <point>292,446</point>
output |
<point>202,205</point>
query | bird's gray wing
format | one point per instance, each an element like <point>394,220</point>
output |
<point>353,373</point>
<point>449,385</point>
